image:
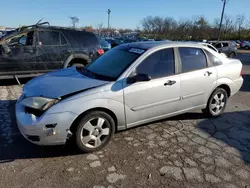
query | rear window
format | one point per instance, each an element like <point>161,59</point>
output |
<point>192,59</point>
<point>86,38</point>
<point>225,44</point>
<point>49,38</point>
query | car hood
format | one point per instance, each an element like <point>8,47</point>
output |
<point>60,83</point>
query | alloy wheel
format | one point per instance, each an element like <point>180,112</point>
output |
<point>217,103</point>
<point>95,132</point>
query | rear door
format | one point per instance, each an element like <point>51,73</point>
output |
<point>52,49</point>
<point>226,48</point>
<point>198,77</point>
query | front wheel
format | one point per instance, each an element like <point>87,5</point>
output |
<point>216,103</point>
<point>232,55</point>
<point>94,131</point>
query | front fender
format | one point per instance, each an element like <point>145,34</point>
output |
<point>80,106</point>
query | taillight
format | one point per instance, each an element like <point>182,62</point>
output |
<point>241,71</point>
<point>100,51</point>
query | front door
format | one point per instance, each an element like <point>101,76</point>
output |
<point>198,78</point>
<point>52,50</point>
<point>149,100</point>
<point>22,56</point>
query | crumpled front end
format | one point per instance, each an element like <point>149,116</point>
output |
<point>47,129</point>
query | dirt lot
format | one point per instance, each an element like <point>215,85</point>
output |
<point>207,153</point>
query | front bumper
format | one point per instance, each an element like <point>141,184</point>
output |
<point>33,127</point>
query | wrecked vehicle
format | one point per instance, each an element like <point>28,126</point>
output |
<point>42,48</point>
<point>129,85</point>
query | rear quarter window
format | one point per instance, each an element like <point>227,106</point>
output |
<point>213,59</point>
<point>86,39</point>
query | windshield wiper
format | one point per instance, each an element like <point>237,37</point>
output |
<point>85,72</point>
<point>94,75</point>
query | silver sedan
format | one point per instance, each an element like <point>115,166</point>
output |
<point>130,85</point>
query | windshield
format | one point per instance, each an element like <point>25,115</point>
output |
<point>112,64</point>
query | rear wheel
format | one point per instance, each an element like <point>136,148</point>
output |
<point>247,47</point>
<point>94,131</point>
<point>216,103</point>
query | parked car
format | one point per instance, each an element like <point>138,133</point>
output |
<point>105,44</point>
<point>41,48</point>
<point>213,48</point>
<point>227,47</point>
<point>238,43</point>
<point>112,42</point>
<point>129,85</point>
<point>245,45</point>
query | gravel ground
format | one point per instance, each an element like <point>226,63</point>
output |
<point>206,153</point>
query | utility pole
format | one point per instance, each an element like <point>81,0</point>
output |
<point>109,11</point>
<point>222,15</point>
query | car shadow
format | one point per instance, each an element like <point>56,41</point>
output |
<point>234,126</point>
<point>232,129</point>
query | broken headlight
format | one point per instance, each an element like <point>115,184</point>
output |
<point>39,103</point>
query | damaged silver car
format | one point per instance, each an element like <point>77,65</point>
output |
<point>129,85</point>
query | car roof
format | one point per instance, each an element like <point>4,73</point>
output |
<point>225,41</point>
<point>151,44</point>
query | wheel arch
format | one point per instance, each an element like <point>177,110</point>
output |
<point>79,117</point>
<point>226,88</point>
<point>76,57</point>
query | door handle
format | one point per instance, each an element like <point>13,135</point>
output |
<point>169,83</point>
<point>208,73</point>
<point>67,51</point>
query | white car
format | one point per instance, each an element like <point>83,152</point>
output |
<point>130,85</point>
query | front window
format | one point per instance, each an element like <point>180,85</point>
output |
<point>112,64</point>
<point>22,39</point>
<point>159,64</point>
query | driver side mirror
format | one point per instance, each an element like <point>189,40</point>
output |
<point>138,77</point>
<point>6,49</point>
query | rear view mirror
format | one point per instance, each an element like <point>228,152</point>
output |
<point>5,49</point>
<point>138,77</point>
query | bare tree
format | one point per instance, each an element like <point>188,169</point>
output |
<point>240,21</point>
<point>99,28</point>
<point>74,20</point>
<point>198,28</point>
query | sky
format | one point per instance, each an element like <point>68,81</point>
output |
<point>124,13</point>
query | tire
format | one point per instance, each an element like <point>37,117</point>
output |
<point>232,54</point>
<point>90,136</point>
<point>247,47</point>
<point>77,65</point>
<point>216,107</point>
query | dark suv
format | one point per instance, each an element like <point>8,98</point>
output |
<point>41,48</point>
